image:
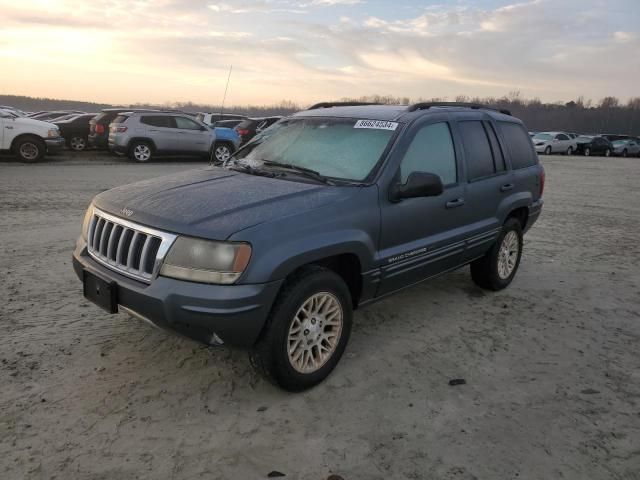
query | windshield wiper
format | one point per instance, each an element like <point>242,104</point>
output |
<point>307,172</point>
<point>239,167</point>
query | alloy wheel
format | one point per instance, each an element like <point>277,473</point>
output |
<point>508,254</point>
<point>142,152</point>
<point>29,151</point>
<point>315,332</point>
<point>222,153</point>
<point>78,144</point>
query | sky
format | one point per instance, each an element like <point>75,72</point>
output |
<point>157,51</point>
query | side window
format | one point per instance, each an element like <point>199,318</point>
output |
<point>519,145</point>
<point>157,121</point>
<point>496,148</point>
<point>477,149</point>
<point>431,151</point>
<point>562,137</point>
<point>186,123</point>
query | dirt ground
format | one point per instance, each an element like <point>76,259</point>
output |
<point>552,364</point>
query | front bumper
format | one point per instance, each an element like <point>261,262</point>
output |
<point>231,314</point>
<point>54,144</point>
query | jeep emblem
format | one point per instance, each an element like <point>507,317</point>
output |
<point>127,212</point>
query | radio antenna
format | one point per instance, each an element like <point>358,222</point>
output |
<point>224,98</point>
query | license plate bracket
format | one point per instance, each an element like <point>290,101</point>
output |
<point>102,292</point>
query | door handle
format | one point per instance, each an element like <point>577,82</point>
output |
<point>506,187</point>
<point>458,202</point>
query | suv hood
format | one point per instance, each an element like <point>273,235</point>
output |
<point>214,203</point>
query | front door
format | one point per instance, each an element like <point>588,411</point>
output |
<point>421,237</point>
<point>191,137</point>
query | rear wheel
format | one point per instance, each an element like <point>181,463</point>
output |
<point>607,153</point>
<point>30,149</point>
<point>499,265</point>
<point>569,150</point>
<point>307,330</point>
<point>625,153</point>
<point>78,143</point>
<point>547,151</point>
<point>140,151</point>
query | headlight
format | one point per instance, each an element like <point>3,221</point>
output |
<point>53,133</point>
<point>85,223</point>
<point>206,261</point>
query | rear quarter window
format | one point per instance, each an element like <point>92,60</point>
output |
<point>519,145</point>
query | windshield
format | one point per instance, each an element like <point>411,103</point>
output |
<point>340,148</point>
<point>542,136</point>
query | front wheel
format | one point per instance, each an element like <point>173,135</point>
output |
<point>499,265</point>
<point>547,151</point>
<point>307,330</point>
<point>222,152</point>
<point>30,150</point>
<point>625,153</point>
<point>607,153</point>
<point>587,152</point>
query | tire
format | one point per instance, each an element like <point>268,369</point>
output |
<point>140,151</point>
<point>271,355</point>
<point>222,152</point>
<point>587,152</point>
<point>487,272</point>
<point>78,143</point>
<point>569,151</point>
<point>547,151</point>
<point>30,149</point>
<point>607,153</point>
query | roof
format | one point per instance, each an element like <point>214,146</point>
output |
<point>399,113</point>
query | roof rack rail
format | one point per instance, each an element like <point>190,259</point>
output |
<point>474,106</point>
<point>340,104</point>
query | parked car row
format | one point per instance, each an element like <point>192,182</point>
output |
<point>574,144</point>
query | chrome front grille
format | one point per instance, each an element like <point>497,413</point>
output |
<point>126,247</point>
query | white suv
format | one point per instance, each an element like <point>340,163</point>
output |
<point>28,139</point>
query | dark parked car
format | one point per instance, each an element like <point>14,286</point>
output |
<point>51,116</point>
<point>588,145</point>
<point>99,125</point>
<point>249,128</point>
<point>613,137</point>
<point>336,207</point>
<point>75,130</point>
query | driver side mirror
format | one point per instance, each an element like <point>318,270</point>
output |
<point>419,184</point>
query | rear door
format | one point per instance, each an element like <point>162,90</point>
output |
<point>562,143</point>
<point>488,182</point>
<point>161,130</point>
<point>421,237</point>
<point>191,136</point>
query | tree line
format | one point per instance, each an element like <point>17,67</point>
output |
<point>608,115</point>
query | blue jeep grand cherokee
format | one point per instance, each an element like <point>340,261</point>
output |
<point>325,212</point>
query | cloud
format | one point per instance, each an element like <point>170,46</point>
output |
<point>308,50</point>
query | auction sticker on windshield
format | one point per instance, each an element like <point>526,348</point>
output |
<point>376,124</point>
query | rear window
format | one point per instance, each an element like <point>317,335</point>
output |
<point>105,117</point>
<point>519,145</point>
<point>120,119</point>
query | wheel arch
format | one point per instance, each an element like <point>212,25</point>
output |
<point>24,136</point>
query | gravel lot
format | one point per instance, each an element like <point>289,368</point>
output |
<point>552,364</point>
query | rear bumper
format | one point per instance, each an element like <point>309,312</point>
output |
<point>534,213</point>
<point>98,140</point>
<point>211,314</point>
<point>54,144</point>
